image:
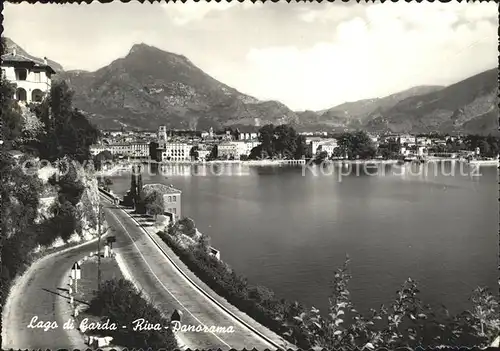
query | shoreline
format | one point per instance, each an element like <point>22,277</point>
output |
<point>263,163</point>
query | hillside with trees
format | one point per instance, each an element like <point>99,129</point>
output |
<point>53,140</point>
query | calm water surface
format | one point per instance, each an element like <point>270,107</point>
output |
<point>289,231</point>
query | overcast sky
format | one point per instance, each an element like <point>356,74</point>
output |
<point>308,56</point>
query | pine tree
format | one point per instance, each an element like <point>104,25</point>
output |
<point>140,197</point>
<point>133,187</point>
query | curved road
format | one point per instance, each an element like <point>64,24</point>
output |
<point>40,292</point>
<point>169,290</point>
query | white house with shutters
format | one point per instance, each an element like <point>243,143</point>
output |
<point>32,77</point>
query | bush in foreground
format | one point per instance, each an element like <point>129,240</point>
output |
<point>119,301</point>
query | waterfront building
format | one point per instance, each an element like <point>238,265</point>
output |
<point>228,150</point>
<point>422,151</point>
<point>424,141</point>
<point>203,154</point>
<point>132,150</point>
<point>32,77</point>
<point>316,144</point>
<point>244,147</point>
<point>248,136</point>
<point>162,134</point>
<point>171,199</point>
<point>174,151</point>
<point>386,138</point>
<point>139,150</point>
<point>438,141</point>
<point>329,147</point>
<point>404,151</point>
<point>407,139</point>
<point>97,149</point>
<point>374,138</point>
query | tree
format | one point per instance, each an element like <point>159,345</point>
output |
<point>12,121</point>
<point>67,131</point>
<point>321,156</point>
<point>482,321</point>
<point>154,203</point>
<point>301,149</point>
<point>204,242</point>
<point>389,149</point>
<point>281,141</point>
<point>153,147</point>
<point>101,158</point>
<point>194,153</point>
<point>140,196</point>
<point>357,145</point>
<point>20,197</point>
<point>256,153</point>
<point>70,185</point>
<point>285,141</point>
<point>214,153</point>
<point>484,148</point>
<point>133,188</point>
<point>187,226</point>
<point>267,139</point>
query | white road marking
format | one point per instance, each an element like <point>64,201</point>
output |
<point>161,283</point>
<point>193,284</point>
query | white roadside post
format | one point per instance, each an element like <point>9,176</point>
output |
<point>76,274</point>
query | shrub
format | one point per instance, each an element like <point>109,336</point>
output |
<point>406,323</point>
<point>119,301</point>
<point>257,302</point>
<point>187,226</point>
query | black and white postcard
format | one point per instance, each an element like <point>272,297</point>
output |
<point>249,175</point>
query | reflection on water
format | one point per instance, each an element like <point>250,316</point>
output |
<point>288,228</point>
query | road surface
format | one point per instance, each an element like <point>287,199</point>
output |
<point>161,282</point>
<point>42,292</point>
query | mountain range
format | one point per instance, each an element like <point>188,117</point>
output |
<point>151,87</point>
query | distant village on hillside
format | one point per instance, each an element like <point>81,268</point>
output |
<point>186,146</point>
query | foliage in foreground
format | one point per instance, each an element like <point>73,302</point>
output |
<point>407,322</point>
<point>119,301</point>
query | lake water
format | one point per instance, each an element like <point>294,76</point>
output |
<point>289,229</point>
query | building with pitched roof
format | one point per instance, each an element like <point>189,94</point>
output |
<point>32,77</point>
<point>171,199</point>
